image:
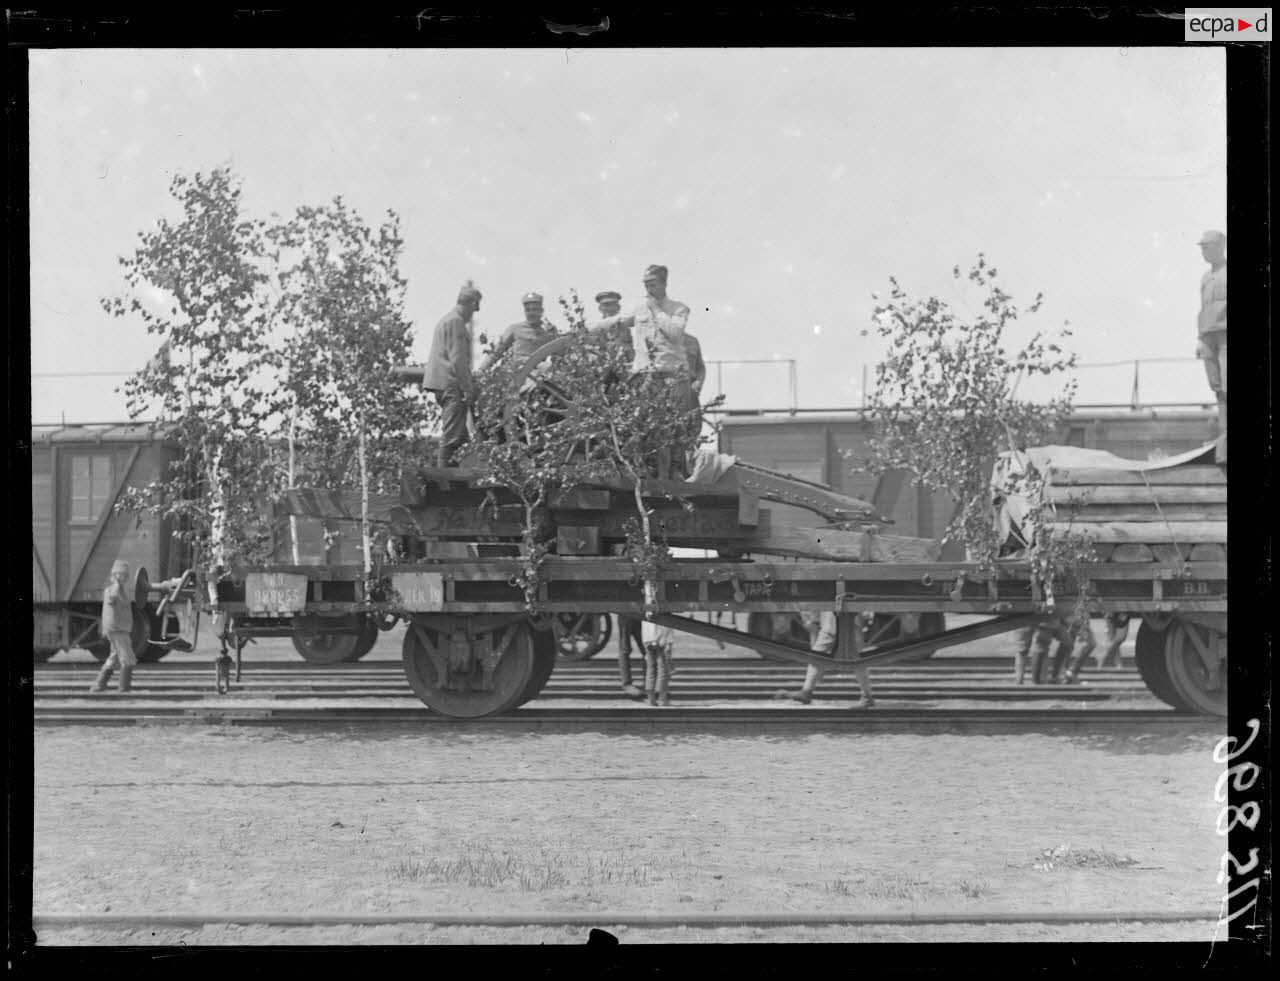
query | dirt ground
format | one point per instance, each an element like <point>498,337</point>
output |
<point>469,819</point>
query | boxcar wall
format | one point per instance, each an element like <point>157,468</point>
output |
<point>831,448</point>
<point>77,475</point>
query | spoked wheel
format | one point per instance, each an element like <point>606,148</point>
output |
<point>1196,665</point>
<point>1148,653</point>
<point>544,656</point>
<point>544,401</point>
<point>445,662</point>
<point>582,635</point>
<point>323,647</point>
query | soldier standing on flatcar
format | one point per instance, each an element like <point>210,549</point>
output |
<point>117,627</point>
<point>614,324</point>
<point>1211,346</point>
<point>657,337</point>
<point>525,337</point>
<point>448,373</point>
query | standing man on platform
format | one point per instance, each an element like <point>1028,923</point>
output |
<point>1212,326</point>
<point>448,373</point>
<point>657,337</point>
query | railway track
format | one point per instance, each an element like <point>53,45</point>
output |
<point>706,692</point>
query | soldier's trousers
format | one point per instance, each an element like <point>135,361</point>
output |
<point>453,426</point>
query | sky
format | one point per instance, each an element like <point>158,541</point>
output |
<point>781,187</point>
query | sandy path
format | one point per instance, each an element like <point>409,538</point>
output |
<point>457,820</point>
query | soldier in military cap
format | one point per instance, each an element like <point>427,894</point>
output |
<point>1211,346</point>
<point>613,323</point>
<point>447,373</point>
<point>525,337</point>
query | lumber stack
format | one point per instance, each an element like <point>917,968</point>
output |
<point>1131,510</point>
<point>1177,512</point>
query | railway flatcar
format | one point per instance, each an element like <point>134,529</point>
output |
<point>78,473</point>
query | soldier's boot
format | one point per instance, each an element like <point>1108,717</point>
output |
<point>1037,667</point>
<point>126,679</point>
<point>103,679</point>
<point>650,673</point>
<point>624,674</point>
<point>664,676</point>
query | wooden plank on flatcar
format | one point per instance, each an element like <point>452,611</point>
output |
<point>1093,513</point>
<point>1148,532</point>
<point>1132,552</point>
<point>1130,494</point>
<point>1172,476</point>
<point>581,499</point>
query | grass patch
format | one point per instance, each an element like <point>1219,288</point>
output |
<point>1066,857</point>
<point>486,867</point>
<point>880,887</point>
<point>973,888</point>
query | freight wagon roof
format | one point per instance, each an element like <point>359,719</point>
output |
<point>101,432</point>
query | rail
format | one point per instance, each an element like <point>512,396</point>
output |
<point>1135,389</point>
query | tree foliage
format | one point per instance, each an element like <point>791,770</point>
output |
<point>579,417</point>
<point>211,380</point>
<point>274,335</point>
<point>946,396</point>
<point>342,299</point>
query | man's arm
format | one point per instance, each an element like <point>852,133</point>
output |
<point>504,343</point>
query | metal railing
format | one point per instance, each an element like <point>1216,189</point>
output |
<point>1135,392</point>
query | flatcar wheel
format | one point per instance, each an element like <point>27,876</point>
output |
<point>1148,654</point>
<point>580,636</point>
<point>544,656</point>
<point>42,654</point>
<point>146,628</point>
<point>365,640</point>
<point>466,698</point>
<point>324,648</point>
<point>1196,664</point>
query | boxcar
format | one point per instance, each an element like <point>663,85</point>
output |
<point>78,473</point>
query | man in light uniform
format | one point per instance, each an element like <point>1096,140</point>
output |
<point>447,373</point>
<point>657,338</point>
<point>1211,346</point>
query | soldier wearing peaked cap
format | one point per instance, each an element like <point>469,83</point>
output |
<point>657,338</point>
<point>447,373</point>
<point>614,324</point>
<point>1211,346</point>
<point>525,337</point>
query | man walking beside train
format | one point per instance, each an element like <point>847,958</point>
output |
<point>1211,346</point>
<point>117,627</point>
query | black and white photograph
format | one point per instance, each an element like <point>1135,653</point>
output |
<point>584,492</point>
